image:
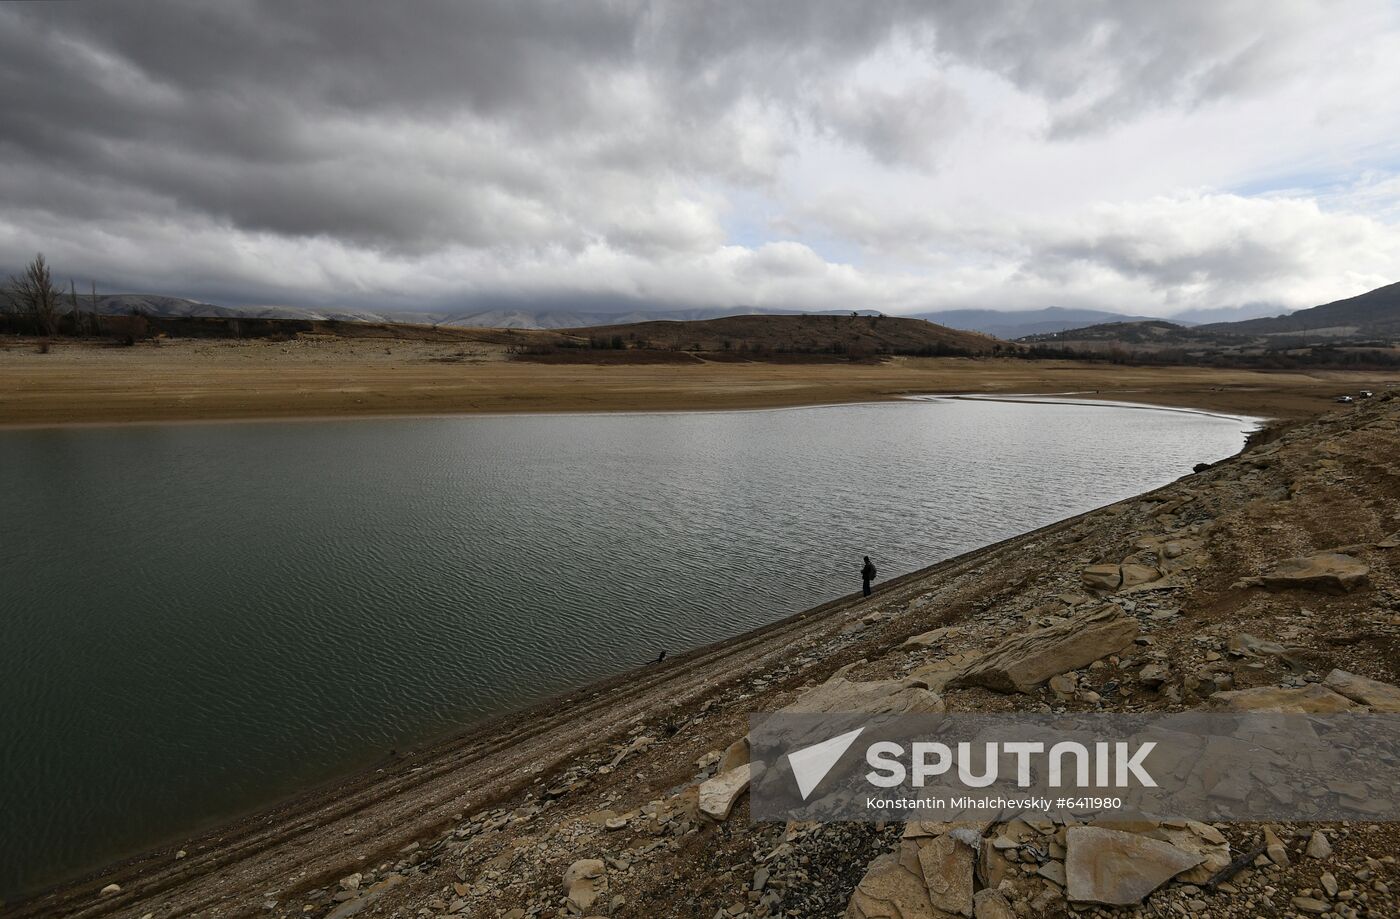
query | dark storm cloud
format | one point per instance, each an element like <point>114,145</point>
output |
<point>467,141</point>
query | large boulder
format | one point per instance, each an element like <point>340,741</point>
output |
<point>1023,662</point>
<point>1309,699</point>
<point>1117,868</point>
<point>1331,572</point>
<point>1381,697</point>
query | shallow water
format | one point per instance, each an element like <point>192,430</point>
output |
<point>201,618</point>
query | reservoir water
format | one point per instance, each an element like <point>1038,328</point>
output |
<point>199,619</point>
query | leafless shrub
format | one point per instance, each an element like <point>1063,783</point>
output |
<point>32,294</point>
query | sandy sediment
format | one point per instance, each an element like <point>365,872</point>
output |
<point>192,379</point>
<point>489,824</point>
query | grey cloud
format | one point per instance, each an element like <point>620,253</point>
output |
<point>1104,61</point>
<point>434,137</point>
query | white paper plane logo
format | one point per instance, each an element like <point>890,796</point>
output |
<point>811,764</point>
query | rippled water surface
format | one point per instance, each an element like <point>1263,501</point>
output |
<point>200,618</point>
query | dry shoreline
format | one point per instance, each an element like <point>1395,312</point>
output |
<point>194,380</point>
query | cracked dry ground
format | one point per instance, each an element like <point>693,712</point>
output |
<point>618,829</point>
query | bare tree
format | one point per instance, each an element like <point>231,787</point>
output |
<point>32,294</point>
<point>75,311</point>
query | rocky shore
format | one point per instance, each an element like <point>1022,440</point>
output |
<point>1264,582</point>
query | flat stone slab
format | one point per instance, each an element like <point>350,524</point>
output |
<point>1381,697</point>
<point>893,888</point>
<point>1307,699</point>
<point>1331,572</point>
<point>874,697</point>
<point>1119,869</point>
<point>947,867</point>
<point>1023,662</point>
<point>717,795</point>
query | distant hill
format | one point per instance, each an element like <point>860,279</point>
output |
<point>157,306</point>
<point>1203,315</point>
<point>1372,315</point>
<point>569,319</point>
<point>1011,324</point>
<point>811,333</point>
<point>1143,332</point>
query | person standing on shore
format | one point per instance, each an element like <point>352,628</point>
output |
<point>867,574</point>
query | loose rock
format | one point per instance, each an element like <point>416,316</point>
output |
<point>1116,868</point>
<point>1023,662</point>
<point>1332,572</point>
<point>717,795</point>
<point>1380,697</point>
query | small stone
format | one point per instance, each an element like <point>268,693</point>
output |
<point>1318,846</point>
<point>111,890</point>
<point>583,882</point>
<point>1310,905</point>
<point>1329,883</point>
<point>1154,675</point>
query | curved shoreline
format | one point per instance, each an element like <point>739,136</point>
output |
<point>893,399</point>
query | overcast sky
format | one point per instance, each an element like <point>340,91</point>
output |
<point>1139,156</point>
